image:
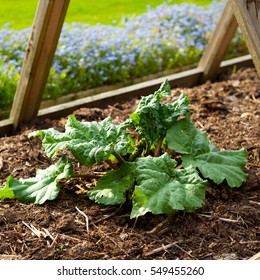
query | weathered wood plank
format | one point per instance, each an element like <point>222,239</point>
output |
<point>48,23</point>
<point>248,18</point>
<point>93,91</point>
<point>218,44</point>
<point>183,79</point>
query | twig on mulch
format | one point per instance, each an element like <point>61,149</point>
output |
<point>158,250</point>
<point>158,226</point>
<point>231,220</point>
<point>85,216</point>
<point>254,202</point>
<point>116,109</point>
<point>39,233</point>
<point>161,224</point>
<point>253,164</point>
<point>165,248</point>
<point>190,255</point>
<point>249,242</point>
<point>68,237</point>
<point>1,163</point>
<point>255,257</point>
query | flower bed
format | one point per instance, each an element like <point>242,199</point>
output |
<point>90,56</point>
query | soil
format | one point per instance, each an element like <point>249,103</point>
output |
<point>226,227</point>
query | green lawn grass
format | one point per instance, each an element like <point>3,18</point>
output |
<point>19,14</point>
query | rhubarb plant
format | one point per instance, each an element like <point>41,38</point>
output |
<point>141,153</point>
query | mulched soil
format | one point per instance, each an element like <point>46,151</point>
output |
<point>227,227</point>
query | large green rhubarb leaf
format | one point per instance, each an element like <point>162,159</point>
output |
<point>183,137</point>
<point>152,118</point>
<point>221,165</point>
<point>44,186</point>
<point>111,189</point>
<point>162,189</point>
<point>89,142</point>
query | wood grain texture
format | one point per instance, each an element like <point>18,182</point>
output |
<point>246,13</point>
<point>182,79</point>
<point>218,44</point>
<point>39,55</point>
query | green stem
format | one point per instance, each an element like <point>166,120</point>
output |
<point>139,147</point>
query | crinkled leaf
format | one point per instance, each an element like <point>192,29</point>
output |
<point>183,137</point>
<point>220,165</point>
<point>165,89</point>
<point>198,151</point>
<point>89,142</point>
<point>111,188</point>
<point>44,186</point>
<point>6,192</point>
<point>53,141</point>
<point>152,118</point>
<point>161,189</point>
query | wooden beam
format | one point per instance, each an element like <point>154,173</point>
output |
<point>218,44</point>
<point>93,91</point>
<point>237,62</point>
<point>183,79</point>
<point>45,34</point>
<point>248,17</point>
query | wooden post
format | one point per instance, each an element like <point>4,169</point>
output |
<point>40,51</point>
<point>248,17</point>
<point>218,44</point>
